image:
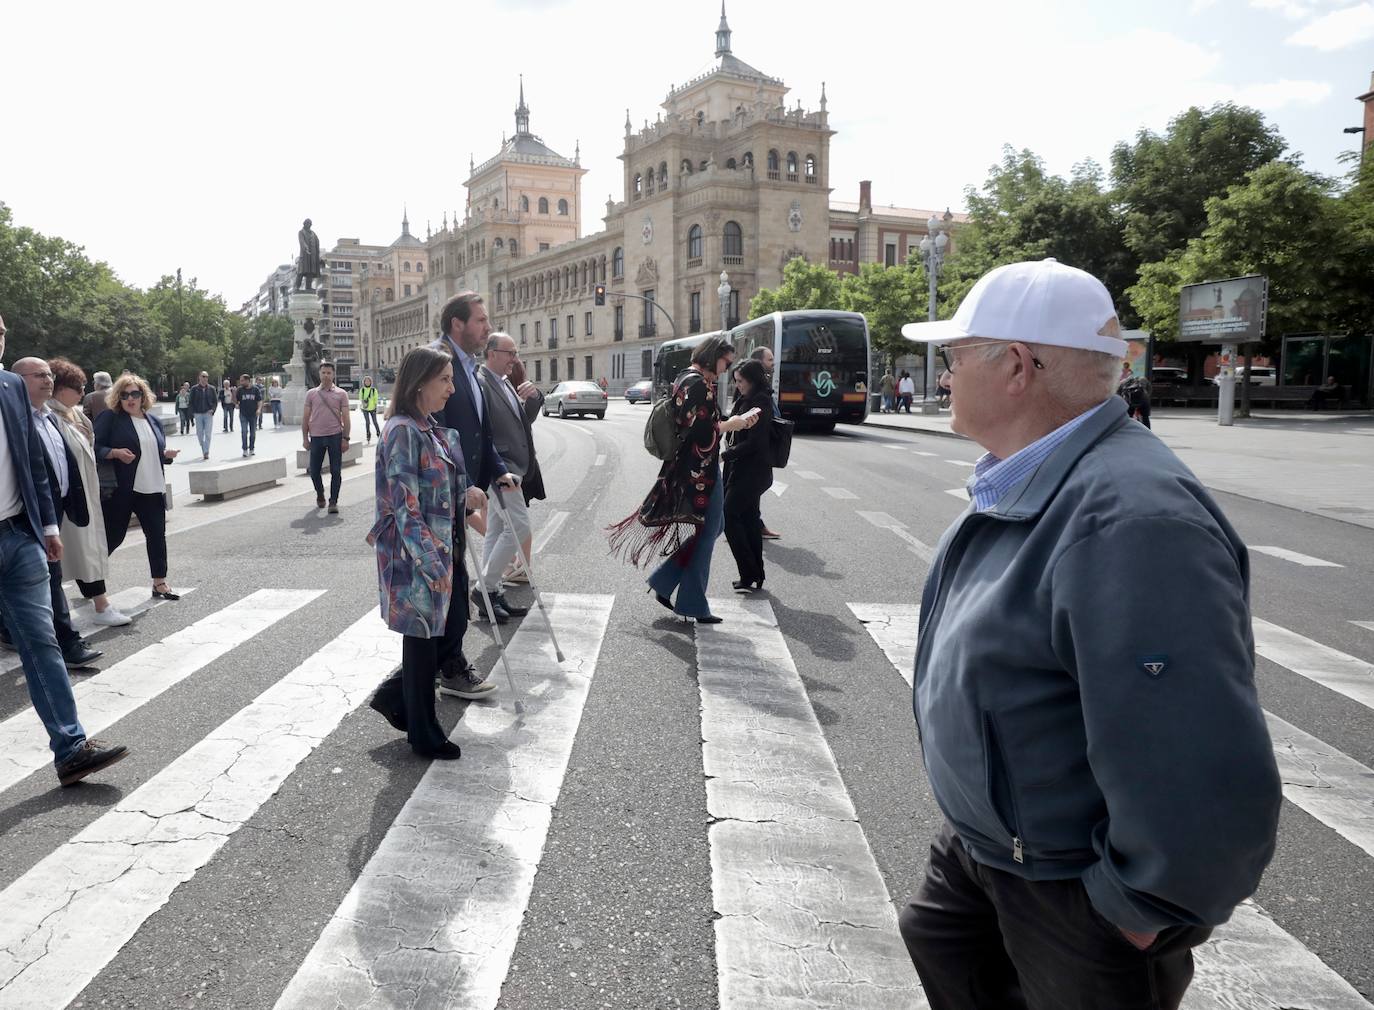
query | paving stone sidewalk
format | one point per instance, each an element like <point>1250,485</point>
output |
<point>1321,463</point>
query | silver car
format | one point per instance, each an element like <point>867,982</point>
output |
<point>570,398</point>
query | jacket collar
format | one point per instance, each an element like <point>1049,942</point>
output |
<point>1034,494</point>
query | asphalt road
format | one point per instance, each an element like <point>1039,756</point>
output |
<point>621,910</point>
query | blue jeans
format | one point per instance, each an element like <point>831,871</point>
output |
<point>248,431</point>
<point>203,430</point>
<point>689,569</point>
<point>25,599</point>
<point>276,413</point>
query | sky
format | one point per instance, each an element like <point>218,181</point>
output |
<point>165,135</point>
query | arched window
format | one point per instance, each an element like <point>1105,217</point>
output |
<point>730,163</point>
<point>495,204</point>
<point>390,294</point>
<point>499,286</point>
<point>701,118</point>
<point>686,167</point>
<point>649,180</point>
<point>543,205</point>
<point>419,268</point>
<point>563,207</point>
<point>638,184</point>
<point>662,175</point>
<point>525,204</point>
<point>810,166</point>
<point>791,162</point>
<point>603,268</point>
<point>734,239</point>
<point>376,293</point>
<point>498,244</point>
<point>405,267</point>
<point>694,242</point>
<point>618,262</point>
<point>512,247</point>
<point>772,161</point>
<point>564,286</point>
<point>704,163</point>
<point>748,160</point>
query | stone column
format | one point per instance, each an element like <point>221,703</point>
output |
<point>301,305</point>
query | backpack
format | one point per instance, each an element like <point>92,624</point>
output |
<point>661,437</point>
<point>779,442</point>
<point>1135,391</point>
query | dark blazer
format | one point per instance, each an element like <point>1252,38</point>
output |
<point>748,467</point>
<point>480,459</point>
<point>74,505</point>
<point>26,454</point>
<point>114,429</point>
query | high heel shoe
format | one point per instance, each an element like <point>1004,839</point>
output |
<point>663,601</point>
<point>164,593</point>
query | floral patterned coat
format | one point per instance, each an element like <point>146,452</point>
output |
<point>420,490</point>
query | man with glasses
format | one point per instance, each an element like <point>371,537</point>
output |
<point>512,412</point>
<point>204,400</point>
<point>29,539</point>
<point>1084,679</point>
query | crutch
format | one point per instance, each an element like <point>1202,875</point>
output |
<point>529,571</point>
<point>495,628</point>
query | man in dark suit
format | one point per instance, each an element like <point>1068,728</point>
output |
<point>28,531</point>
<point>68,498</point>
<point>464,329</point>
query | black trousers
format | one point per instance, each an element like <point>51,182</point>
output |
<point>149,509</point>
<point>744,531</point>
<point>90,590</point>
<point>411,688</point>
<point>370,422</point>
<point>984,939</point>
<point>319,445</point>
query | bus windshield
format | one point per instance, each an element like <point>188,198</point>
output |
<point>823,356</point>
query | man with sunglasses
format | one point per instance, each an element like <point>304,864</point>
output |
<point>1084,679</point>
<point>28,541</point>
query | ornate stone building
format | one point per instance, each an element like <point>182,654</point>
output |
<point>726,178</point>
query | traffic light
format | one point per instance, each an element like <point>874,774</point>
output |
<point>600,290</point>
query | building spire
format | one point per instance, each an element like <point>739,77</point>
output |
<point>723,33</point>
<point>822,96</point>
<point>405,220</point>
<point>522,112</point>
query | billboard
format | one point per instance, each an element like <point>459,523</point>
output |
<point>1223,312</point>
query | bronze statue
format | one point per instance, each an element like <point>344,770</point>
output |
<point>308,266</point>
<point>311,353</point>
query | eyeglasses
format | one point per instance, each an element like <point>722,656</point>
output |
<point>951,363</point>
<point>501,350</point>
<point>131,394</point>
<point>44,376</point>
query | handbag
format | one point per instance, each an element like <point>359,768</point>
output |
<point>780,442</point>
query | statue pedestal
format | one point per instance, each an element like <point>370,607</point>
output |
<point>300,306</point>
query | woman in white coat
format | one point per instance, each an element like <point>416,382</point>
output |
<point>85,554</point>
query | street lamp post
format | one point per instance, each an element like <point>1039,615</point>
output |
<point>933,252</point>
<point>724,292</point>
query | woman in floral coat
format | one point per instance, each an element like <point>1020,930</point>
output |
<point>683,514</point>
<point>421,493</point>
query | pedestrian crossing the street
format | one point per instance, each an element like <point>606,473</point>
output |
<point>433,911</point>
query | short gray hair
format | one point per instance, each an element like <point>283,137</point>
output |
<point>1077,377</point>
<point>102,380</point>
<point>494,341</point>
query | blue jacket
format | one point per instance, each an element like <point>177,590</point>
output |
<point>114,429</point>
<point>419,503</point>
<point>26,454</point>
<point>480,459</point>
<point>1084,684</point>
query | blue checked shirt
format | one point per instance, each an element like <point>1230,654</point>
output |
<point>993,477</point>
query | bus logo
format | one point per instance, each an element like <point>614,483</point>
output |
<point>823,383</point>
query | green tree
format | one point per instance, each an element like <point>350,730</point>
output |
<point>1162,183</point>
<point>187,311</point>
<point>108,329</point>
<point>1281,222</point>
<point>804,286</point>
<point>40,279</point>
<point>259,344</point>
<point>193,356</point>
<point>889,298</point>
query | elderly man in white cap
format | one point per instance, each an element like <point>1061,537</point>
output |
<point>1084,682</point>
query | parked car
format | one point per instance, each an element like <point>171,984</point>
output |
<point>642,390</point>
<point>570,398</point>
<point>1168,375</point>
<point>1260,375</point>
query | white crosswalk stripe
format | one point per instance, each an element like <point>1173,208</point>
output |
<point>109,696</point>
<point>1250,962</point>
<point>71,913</point>
<point>805,919</point>
<point>1283,553</point>
<point>436,912</point>
<point>1319,663</point>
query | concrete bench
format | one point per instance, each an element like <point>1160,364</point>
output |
<point>351,455</point>
<point>233,479</point>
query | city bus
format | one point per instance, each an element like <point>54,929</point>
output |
<point>673,358</point>
<point>820,370</point>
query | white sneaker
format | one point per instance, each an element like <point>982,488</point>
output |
<point>111,618</point>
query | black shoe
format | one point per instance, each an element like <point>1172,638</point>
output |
<point>319,501</point>
<point>334,508</point>
<point>446,751</point>
<point>499,600</point>
<point>663,601</point>
<point>80,654</point>
<point>396,717</point>
<point>743,588</point>
<point>502,614</point>
<point>93,756</point>
<point>709,619</point>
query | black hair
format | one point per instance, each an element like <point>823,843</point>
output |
<point>418,366</point>
<point>711,350</point>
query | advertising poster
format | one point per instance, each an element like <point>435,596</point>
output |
<point>1223,312</point>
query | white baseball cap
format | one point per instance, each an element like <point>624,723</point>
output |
<point>1037,302</point>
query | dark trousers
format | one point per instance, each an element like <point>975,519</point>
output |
<point>90,590</point>
<point>185,415</point>
<point>248,432</point>
<point>319,445</point>
<point>411,688</point>
<point>229,418</point>
<point>149,509</point>
<point>744,532</point>
<point>370,422</point>
<point>983,938</point>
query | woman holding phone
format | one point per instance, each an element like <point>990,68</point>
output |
<point>748,474</point>
<point>421,493</point>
